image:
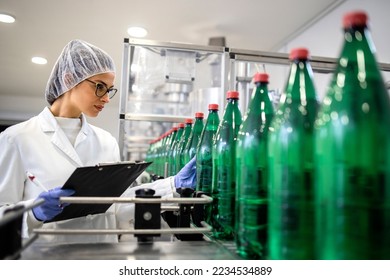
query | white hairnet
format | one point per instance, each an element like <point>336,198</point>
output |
<point>78,61</point>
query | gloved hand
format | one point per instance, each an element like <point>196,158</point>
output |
<point>186,177</point>
<point>52,206</point>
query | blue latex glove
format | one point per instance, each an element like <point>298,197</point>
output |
<point>52,206</point>
<point>186,177</point>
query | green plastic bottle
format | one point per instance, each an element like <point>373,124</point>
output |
<point>353,153</point>
<point>252,166</point>
<point>167,152</point>
<point>291,224</point>
<point>193,140</point>
<point>204,162</point>
<point>160,154</point>
<point>224,169</point>
<point>182,144</point>
<point>173,149</point>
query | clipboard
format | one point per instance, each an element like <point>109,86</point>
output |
<point>102,180</point>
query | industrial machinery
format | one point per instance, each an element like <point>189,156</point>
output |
<point>188,237</point>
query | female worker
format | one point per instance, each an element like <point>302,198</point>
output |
<point>57,141</point>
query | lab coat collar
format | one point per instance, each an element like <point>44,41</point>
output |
<point>85,129</point>
<point>49,124</point>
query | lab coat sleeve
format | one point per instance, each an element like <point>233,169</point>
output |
<point>12,180</point>
<point>12,174</point>
<point>125,211</point>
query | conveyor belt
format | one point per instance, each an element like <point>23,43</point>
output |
<point>158,250</point>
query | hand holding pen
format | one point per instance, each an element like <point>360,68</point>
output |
<point>35,181</point>
<point>52,206</point>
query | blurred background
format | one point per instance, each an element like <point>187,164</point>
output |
<point>43,27</point>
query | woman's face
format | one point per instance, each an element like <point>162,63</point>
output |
<point>83,98</point>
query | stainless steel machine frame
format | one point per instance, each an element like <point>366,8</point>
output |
<point>235,72</point>
<point>175,80</point>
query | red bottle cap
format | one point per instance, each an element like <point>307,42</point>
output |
<point>260,78</point>
<point>299,53</point>
<point>213,106</point>
<point>189,121</point>
<point>355,19</point>
<point>199,115</point>
<point>175,128</point>
<point>181,125</point>
<point>232,94</point>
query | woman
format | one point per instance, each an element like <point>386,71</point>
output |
<point>57,141</point>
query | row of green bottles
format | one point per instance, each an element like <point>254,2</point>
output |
<point>168,153</point>
<point>252,169</point>
<point>328,181</point>
<point>311,182</point>
<point>353,154</point>
<point>224,169</point>
<point>153,154</point>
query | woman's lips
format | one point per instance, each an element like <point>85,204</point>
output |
<point>99,107</point>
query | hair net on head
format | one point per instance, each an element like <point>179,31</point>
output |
<point>78,61</point>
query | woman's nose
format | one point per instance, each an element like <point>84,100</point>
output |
<point>105,98</point>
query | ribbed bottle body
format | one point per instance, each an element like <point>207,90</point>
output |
<point>353,156</point>
<point>224,169</point>
<point>204,162</point>
<point>252,170</point>
<point>193,140</point>
<point>291,165</point>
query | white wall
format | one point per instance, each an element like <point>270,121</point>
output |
<point>324,38</point>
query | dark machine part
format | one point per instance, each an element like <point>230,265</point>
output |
<point>182,218</point>
<point>155,177</point>
<point>11,234</point>
<point>198,213</point>
<point>11,242</point>
<point>147,216</point>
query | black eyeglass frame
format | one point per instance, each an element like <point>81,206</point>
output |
<point>108,90</point>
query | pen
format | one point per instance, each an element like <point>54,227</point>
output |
<point>36,181</point>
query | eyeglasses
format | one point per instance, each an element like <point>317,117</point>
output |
<point>101,89</point>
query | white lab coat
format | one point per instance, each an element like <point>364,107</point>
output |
<point>40,146</point>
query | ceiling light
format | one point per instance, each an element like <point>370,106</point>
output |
<point>6,18</point>
<point>38,60</point>
<point>138,32</point>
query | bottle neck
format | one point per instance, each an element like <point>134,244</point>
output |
<point>231,104</point>
<point>232,100</point>
<point>261,89</point>
<point>179,133</point>
<point>260,101</point>
<point>187,129</point>
<point>300,84</point>
<point>212,120</point>
<point>358,48</point>
<point>198,125</point>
